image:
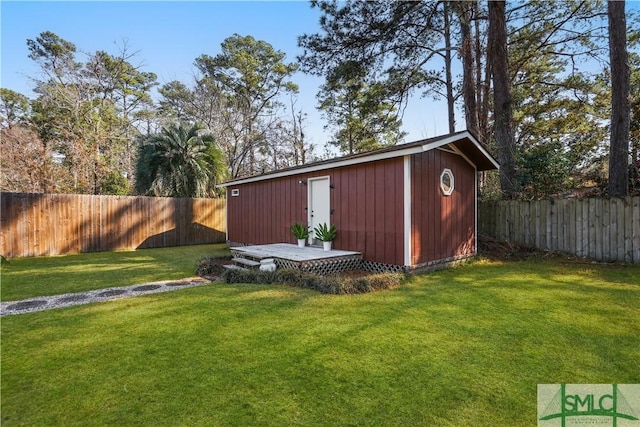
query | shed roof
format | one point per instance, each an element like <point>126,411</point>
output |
<point>463,143</point>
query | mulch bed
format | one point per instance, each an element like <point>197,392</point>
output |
<point>494,249</point>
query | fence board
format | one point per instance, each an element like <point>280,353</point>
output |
<point>571,245</point>
<point>614,236</point>
<point>606,226</point>
<point>543,207</point>
<point>601,229</point>
<point>526,219</point>
<point>563,230</point>
<point>636,229</point>
<point>620,229</point>
<point>628,230</point>
<point>579,228</point>
<point>553,216</point>
<point>54,224</point>
<point>592,228</point>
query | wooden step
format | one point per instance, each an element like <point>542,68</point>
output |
<point>253,256</point>
<point>246,262</point>
<point>233,267</point>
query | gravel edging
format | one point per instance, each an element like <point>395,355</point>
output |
<point>31,305</point>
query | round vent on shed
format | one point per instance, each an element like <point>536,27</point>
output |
<point>447,182</point>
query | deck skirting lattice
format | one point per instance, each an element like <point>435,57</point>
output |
<point>378,267</point>
<point>327,267</point>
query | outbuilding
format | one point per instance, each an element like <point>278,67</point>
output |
<point>403,207</point>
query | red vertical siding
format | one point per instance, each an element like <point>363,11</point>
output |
<point>442,226</point>
<point>366,200</point>
<point>367,205</point>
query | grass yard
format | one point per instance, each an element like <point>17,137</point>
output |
<point>22,278</point>
<point>462,347</point>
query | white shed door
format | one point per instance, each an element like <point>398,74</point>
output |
<point>319,201</point>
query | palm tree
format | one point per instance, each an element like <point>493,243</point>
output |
<point>179,162</point>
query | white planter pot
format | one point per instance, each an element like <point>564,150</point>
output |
<point>326,246</point>
<point>301,243</point>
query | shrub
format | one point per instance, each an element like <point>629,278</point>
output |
<point>265,277</point>
<point>289,276</point>
<point>238,276</point>
<point>324,284</point>
<point>385,280</point>
<point>360,285</point>
<point>211,267</point>
<point>332,285</point>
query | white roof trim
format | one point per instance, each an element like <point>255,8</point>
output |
<point>461,154</point>
<point>482,149</point>
<point>324,166</point>
<point>364,159</point>
<point>457,137</point>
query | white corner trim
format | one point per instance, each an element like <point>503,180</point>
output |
<point>407,210</point>
<point>226,221</point>
<point>475,235</point>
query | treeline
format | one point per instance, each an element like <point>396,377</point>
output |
<point>94,127</point>
<point>531,79</point>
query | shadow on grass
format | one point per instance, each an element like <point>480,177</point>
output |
<point>30,277</point>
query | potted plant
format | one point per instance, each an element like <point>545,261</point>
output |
<point>301,232</point>
<point>326,234</point>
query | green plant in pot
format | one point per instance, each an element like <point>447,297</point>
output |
<point>326,234</point>
<point>301,232</point>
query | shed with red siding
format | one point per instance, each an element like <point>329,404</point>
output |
<point>405,206</point>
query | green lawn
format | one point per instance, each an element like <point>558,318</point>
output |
<point>462,347</point>
<point>22,278</point>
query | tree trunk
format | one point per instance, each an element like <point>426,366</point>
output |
<point>465,12</point>
<point>482,90</point>
<point>620,107</point>
<point>447,66</point>
<point>503,114</point>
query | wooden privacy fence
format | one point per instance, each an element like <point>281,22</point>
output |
<point>601,229</point>
<point>53,224</point>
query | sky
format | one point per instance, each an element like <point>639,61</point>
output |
<point>168,36</point>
